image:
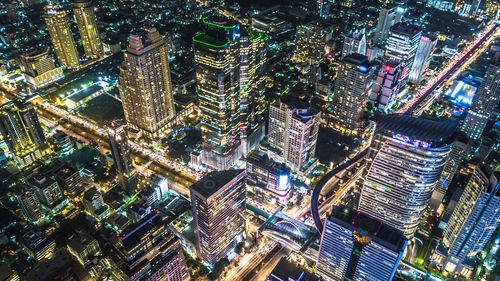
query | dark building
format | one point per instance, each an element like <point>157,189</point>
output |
<point>287,271</point>
<point>121,155</point>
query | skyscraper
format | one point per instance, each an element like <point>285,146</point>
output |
<point>293,132</point>
<point>409,156</point>
<point>149,250</point>
<point>354,42</point>
<point>46,188</point>
<point>229,73</point>
<point>355,246</point>
<point>121,155</point>
<point>390,14</point>
<point>39,69</point>
<point>28,201</point>
<point>473,221</point>
<point>387,86</point>
<point>62,37</point>
<point>402,47</point>
<point>425,49</point>
<point>87,26</point>
<point>22,132</point>
<point>351,91</point>
<point>218,202</point>
<point>483,103</point>
<point>145,85</point>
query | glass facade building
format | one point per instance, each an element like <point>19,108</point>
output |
<point>88,28</point>
<point>62,37</point>
<point>219,201</point>
<point>409,156</point>
<point>355,246</point>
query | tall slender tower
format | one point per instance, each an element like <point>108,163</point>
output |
<point>145,85</point>
<point>425,49</point>
<point>61,35</point>
<point>28,201</point>
<point>410,154</point>
<point>352,88</point>
<point>229,75</point>
<point>87,26</point>
<point>121,156</point>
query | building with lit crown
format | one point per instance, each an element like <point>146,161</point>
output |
<point>229,74</point>
<point>145,85</point>
<point>61,36</point>
<point>472,223</point>
<point>352,88</point>
<point>88,28</point>
<point>355,246</point>
<point>407,158</point>
<point>219,202</point>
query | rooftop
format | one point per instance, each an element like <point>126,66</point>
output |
<point>379,232</point>
<point>359,60</point>
<point>80,95</point>
<point>419,128</point>
<point>286,270</point>
<point>406,28</point>
<point>133,234</point>
<point>214,181</point>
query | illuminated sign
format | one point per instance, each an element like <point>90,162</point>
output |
<point>362,68</point>
<point>283,184</point>
<point>413,142</point>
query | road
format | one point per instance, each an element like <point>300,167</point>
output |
<point>457,61</point>
<point>250,260</point>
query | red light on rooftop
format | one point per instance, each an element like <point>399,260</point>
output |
<point>387,68</point>
<point>156,211</point>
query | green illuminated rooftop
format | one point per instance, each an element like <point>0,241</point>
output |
<point>221,22</point>
<point>211,41</point>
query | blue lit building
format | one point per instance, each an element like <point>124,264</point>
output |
<point>357,247</point>
<point>463,90</point>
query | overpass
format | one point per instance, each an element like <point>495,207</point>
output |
<point>323,181</point>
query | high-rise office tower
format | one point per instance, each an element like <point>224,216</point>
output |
<point>311,41</point>
<point>390,14</point>
<point>145,85</point>
<point>355,246</point>
<point>87,26</point>
<point>229,73</point>
<point>351,91</point>
<point>39,69</point>
<point>425,49</point>
<point>62,37</point>
<point>409,156</point>
<point>121,155</point>
<point>149,250</point>
<point>218,202</point>
<point>483,103</point>
<point>402,47</point>
<point>22,132</point>
<point>354,42</point>
<point>387,86</point>
<point>27,199</point>
<point>473,221</point>
<point>293,132</point>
